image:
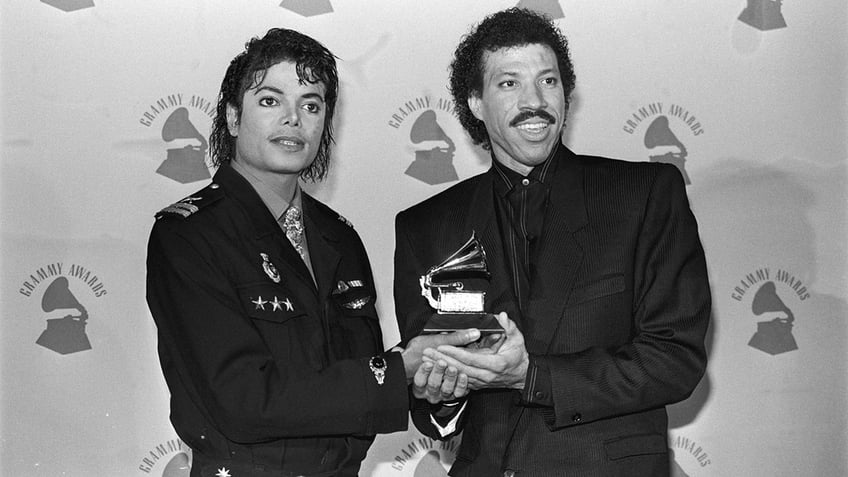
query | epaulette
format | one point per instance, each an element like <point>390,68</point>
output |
<point>345,221</point>
<point>193,203</point>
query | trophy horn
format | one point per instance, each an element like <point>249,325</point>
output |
<point>469,258</point>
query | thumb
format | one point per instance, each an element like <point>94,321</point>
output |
<point>503,320</point>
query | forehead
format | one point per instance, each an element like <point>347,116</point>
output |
<point>284,76</point>
<point>530,58</point>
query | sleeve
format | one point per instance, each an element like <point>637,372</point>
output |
<point>537,385</point>
<point>412,312</point>
<point>448,422</point>
<point>215,358</point>
<point>666,357</point>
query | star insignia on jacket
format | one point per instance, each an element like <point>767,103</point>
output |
<point>277,304</point>
<point>223,472</point>
<point>260,303</point>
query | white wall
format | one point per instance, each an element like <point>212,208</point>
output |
<point>79,188</point>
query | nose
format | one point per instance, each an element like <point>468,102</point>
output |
<point>290,115</point>
<point>532,97</point>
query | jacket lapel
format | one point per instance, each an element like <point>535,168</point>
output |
<point>268,234</point>
<point>560,253</point>
<point>322,242</point>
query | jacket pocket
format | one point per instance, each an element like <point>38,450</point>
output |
<point>639,444</point>
<point>602,287</point>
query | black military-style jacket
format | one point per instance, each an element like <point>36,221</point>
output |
<point>268,372</point>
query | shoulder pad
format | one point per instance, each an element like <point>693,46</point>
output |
<point>193,203</point>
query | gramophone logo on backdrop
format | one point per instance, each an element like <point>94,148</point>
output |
<point>688,458</point>
<point>66,316</point>
<point>763,15</point>
<point>550,8</point>
<point>308,8</point>
<point>659,137</point>
<point>424,457</point>
<point>169,459</point>
<point>433,148</point>
<point>185,147</point>
<point>774,334</point>
<point>69,5</point>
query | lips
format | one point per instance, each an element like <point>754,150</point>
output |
<point>291,143</point>
<point>533,127</point>
<point>535,130</point>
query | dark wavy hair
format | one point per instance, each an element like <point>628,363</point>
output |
<point>504,29</point>
<point>314,63</point>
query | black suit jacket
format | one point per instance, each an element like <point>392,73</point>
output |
<point>618,309</point>
<point>263,374</point>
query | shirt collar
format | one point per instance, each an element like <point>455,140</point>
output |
<point>506,178</point>
<point>276,204</point>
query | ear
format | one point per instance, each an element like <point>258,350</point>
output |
<point>232,120</point>
<point>475,103</point>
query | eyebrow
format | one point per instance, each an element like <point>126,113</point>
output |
<point>282,93</point>
<point>516,73</point>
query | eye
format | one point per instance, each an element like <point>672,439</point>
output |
<point>312,107</point>
<point>508,84</point>
<point>551,81</point>
<point>268,101</point>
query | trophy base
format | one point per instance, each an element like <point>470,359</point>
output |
<point>450,322</point>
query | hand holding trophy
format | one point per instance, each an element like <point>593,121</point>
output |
<point>458,308</point>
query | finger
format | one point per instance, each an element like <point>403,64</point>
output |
<point>461,388</point>
<point>492,343</point>
<point>434,382</point>
<point>504,321</point>
<point>449,381</point>
<point>461,338</point>
<point>467,358</point>
<point>419,380</point>
<point>470,371</point>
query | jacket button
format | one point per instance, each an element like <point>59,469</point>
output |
<point>539,395</point>
<point>577,417</point>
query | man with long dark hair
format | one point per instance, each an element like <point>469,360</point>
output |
<point>263,296</point>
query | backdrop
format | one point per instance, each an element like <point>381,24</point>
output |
<point>106,109</point>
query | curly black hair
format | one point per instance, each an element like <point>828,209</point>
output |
<point>313,62</point>
<point>505,29</point>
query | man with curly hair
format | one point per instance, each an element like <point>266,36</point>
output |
<point>263,296</point>
<point>597,273</point>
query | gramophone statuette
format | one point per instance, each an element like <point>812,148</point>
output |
<point>458,308</point>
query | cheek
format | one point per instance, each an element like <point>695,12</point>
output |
<point>317,128</point>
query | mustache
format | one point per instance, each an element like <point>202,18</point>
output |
<point>532,113</point>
